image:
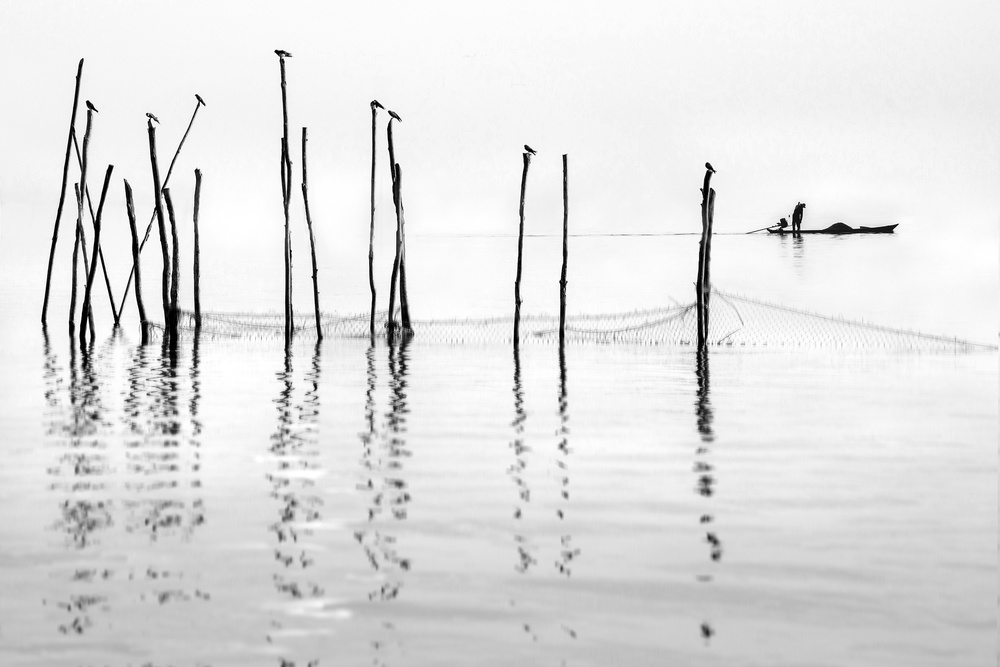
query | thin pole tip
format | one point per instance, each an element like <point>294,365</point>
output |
<point>201,102</point>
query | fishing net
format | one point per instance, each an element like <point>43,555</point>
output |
<point>734,320</point>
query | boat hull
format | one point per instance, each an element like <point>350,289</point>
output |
<point>837,228</point>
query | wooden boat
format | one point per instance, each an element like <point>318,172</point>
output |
<point>836,228</point>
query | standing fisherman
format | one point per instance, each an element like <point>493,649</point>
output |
<point>797,218</point>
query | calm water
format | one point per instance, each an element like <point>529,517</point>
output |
<point>430,504</point>
<point>436,504</point>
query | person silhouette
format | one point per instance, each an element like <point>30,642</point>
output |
<point>797,218</point>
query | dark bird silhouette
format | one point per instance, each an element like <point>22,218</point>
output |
<point>396,116</point>
<point>200,101</point>
<point>152,117</point>
<point>282,54</point>
<point>91,106</point>
<point>529,149</point>
<point>376,105</point>
<point>706,631</point>
<point>708,165</point>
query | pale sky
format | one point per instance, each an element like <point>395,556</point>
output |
<point>871,112</point>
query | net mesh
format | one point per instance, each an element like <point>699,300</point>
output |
<point>734,320</point>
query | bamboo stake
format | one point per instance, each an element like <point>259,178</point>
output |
<point>392,151</point>
<point>175,263</point>
<point>701,286</point>
<point>143,322</point>
<point>152,216</point>
<point>565,254</point>
<point>62,192</point>
<point>520,251</point>
<point>312,240</point>
<point>371,237</point>
<point>286,186</point>
<point>76,252</point>
<point>100,251</point>
<point>162,227</point>
<point>401,225</point>
<point>197,254</point>
<point>79,204</point>
<point>94,259</point>
<point>390,323</point>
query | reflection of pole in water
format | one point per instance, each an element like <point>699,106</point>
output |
<point>79,435</point>
<point>383,453</point>
<point>703,469</point>
<point>518,468</point>
<point>567,552</point>
<point>294,448</point>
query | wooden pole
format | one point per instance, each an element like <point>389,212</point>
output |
<point>175,263</point>
<point>197,253</point>
<point>565,254</point>
<point>708,252</point>
<point>94,259</point>
<point>520,252</point>
<point>100,251</point>
<point>392,150</point>
<point>701,286</point>
<point>162,226</point>
<point>143,322</point>
<point>76,253</point>
<point>390,323</point>
<point>371,237</point>
<point>391,318</point>
<point>79,203</point>
<point>152,216</point>
<point>404,302</point>
<point>62,192</point>
<point>286,187</point>
<point>312,240</point>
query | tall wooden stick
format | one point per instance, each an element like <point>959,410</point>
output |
<point>197,253</point>
<point>390,323</point>
<point>100,251</point>
<point>152,216</point>
<point>175,264</point>
<point>76,253</point>
<point>79,203</point>
<point>520,252</point>
<point>162,227</point>
<point>312,240</point>
<point>143,322</point>
<point>565,253</point>
<point>401,228</point>
<point>701,286</point>
<point>390,318</point>
<point>94,259</point>
<point>286,165</point>
<point>286,187</point>
<point>62,192</point>
<point>392,150</point>
<point>371,235</point>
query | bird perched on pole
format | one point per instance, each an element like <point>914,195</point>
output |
<point>396,116</point>
<point>708,165</point>
<point>91,106</point>
<point>152,117</point>
<point>282,54</point>
<point>529,149</point>
<point>376,105</point>
<point>200,101</point>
